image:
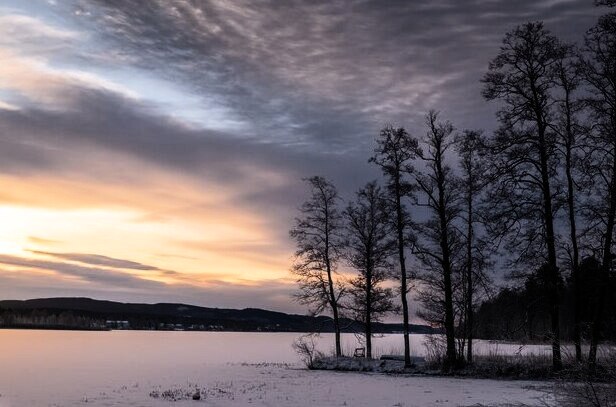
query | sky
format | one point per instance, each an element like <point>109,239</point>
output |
<point>153,151</point>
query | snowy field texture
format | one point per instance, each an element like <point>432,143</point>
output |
<point>141,368</point>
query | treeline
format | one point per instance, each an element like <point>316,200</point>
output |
<point>43,319</point>
<point>540,193</point>
<point>88,314</point>
<point>520,313</point>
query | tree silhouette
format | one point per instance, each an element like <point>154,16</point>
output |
<point>318,233</point>
<point>570,132</point>
<point>437,242</point>
<point>370,248</point>
<point>470,145</point>
<point>598,70</point>
<point>394,153</point>
<point>522,151</point>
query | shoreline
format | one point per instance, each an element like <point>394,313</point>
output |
<point>520,368</point>
<point>53,328</point>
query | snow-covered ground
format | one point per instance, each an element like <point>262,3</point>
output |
<point>262,385</point>
<point>59,368</point>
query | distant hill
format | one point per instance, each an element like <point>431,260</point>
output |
<point>87,313</point>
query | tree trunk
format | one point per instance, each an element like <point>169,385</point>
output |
<point>551,246</point>
<point>550,239</point>
<point>403,284</point>
<point>334,305</point>
<point>575,260</point>
<point>368,327</point>
<point>469,274</point>
<point>451,357</point>
<point>332,295</point>
<point>449,321</point>
<point>605,269</point>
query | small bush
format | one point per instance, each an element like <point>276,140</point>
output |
<point>512,366</point>
<point>171,394</point>
<point>305,346</point>
<point>178,394</point>
<point>435,351</point>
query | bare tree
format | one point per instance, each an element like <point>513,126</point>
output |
<point>318,233</point>
<point>524,160</point>
<point>472,183</point>
<point>598,67</point>
<point>569,132</point>
<point>370,248</point>
<point>437,241</point>
<point>394,153</point>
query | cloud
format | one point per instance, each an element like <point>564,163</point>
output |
<point>313,91</point>
<point>328,73</point>
<point>99,260</point>
<point>42,241</point>
<point>107,126</point>
<point>88,274</point>
<point>34,82</point>
<point>32,34</point>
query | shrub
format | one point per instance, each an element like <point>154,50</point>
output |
<point>305,346</point>
<point>596,387</point>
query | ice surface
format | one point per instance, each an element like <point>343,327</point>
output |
<point>63,368</point>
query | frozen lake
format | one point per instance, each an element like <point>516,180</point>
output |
<point>58,368</point>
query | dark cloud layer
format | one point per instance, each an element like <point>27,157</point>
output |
<point>328,73</point>
<point>312,81</point>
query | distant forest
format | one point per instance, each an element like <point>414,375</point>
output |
<point>520,314</point>
<point>50,319</point>
<point>89,314</point>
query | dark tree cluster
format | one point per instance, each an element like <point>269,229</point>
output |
<point>536,198</point>
<point>45,319</point>
<point>376,237</point>
<point>520,313</point>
